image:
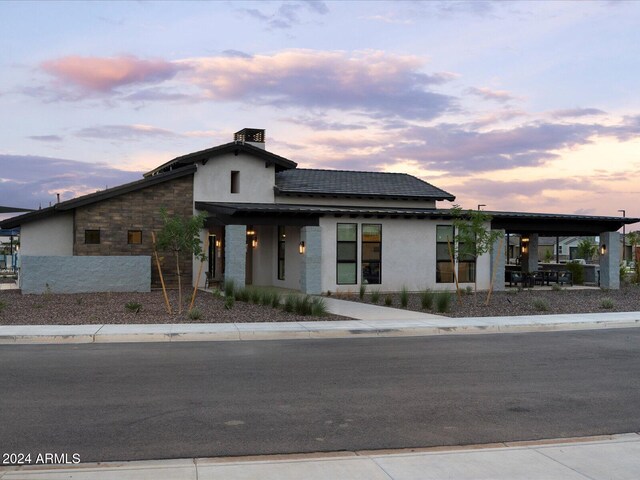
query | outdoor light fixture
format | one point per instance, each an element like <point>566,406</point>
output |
<point>603,249</point>
<point>525,244</point>
<point>251,232</point>
<point>254,242</point>
<point>301,248</point>
<point>218,243</point>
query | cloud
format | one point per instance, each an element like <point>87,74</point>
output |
<point>287,14</point>
<point>319,122</point>
<point>578,112</point>
<point>488,94</point>
<point>103,75</point>
<point>29,181</point>
<point>236,53</point>
<point>374,82</point>
<point>46,138</point>
<point>125,132</point>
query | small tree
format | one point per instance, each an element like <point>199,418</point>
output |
<point>587,249</point>
<point>472,238</point>
<point>181,235</point>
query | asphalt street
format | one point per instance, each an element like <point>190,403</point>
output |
<point>176,400</point>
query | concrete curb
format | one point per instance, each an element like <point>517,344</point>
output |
<point>108,333</point>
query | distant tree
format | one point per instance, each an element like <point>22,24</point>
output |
<point>587,249</point>
<point>181,235</point>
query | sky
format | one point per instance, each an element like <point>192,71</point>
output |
<point>520,106</point>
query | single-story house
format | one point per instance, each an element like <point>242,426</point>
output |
<point>270,223</point>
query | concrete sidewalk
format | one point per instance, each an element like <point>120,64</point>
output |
<point>592,458</point>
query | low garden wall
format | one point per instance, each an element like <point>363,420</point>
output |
<point>84,274</point>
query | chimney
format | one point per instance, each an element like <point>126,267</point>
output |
<point>251,136</point>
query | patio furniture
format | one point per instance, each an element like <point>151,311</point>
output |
<point>565,276</point>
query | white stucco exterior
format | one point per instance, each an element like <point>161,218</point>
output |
<point>51,236</point>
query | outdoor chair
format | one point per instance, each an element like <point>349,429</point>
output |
<point>565,277</point>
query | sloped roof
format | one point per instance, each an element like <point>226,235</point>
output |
<point>346,183</point>
<point>235,147</point>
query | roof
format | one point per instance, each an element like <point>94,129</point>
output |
<point>13,209</point>
<point>96,197</point>
<point>232,147</point>
<point>346,183</point>
<point>512,222</point>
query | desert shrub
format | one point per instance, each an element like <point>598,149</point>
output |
<point>265,297</point>
<point>318,307</point>
<point>363,290</point>
<point>195,313</point>
<point>242,294</point>
<point>468,290</point>
<point>577,272</point>
<point>275,299</point>
<point>229,302</point>
<point>443,302</point>
<point>540,305</point>
<point>375,296</point>
<point>426,299</point>
<point>556,288</point>
<point>3,305</point>
<point>388,300</point>
<point>254,295</point>
<point>302,305</point>
<point>133,307</point>
<point>404,297</point>
<point>607,303</point>
<point>229,288</point>
<point>289,303</point>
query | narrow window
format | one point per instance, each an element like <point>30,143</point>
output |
<point>134,237</point>
<point>371,253</point>
<point>347,254</point>
<point>282,236</point>
<point>235,181</point>
<point>444,249</point>
<point>466,267</point>
<point>92,237</point>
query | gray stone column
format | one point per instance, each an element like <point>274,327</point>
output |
<point>530,257</point>
<point>311,262</point>
<point>610,260</point>
<point>498,259</point>
<point>235,254</point>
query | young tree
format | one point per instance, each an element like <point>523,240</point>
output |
<point>587,249</point>
<point>181,235</point>
<point>472,236</point>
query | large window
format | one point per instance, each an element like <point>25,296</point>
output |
<point>281,249</point>
<point>92,237</point>
<point>347,254</point>
<point>371,253</point>
<point>444,241</point>
<point>466,267</point>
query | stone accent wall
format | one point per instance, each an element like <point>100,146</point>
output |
<point>498,252</point>
<point>139,210</point>
<point>235,254</point>
<point>311,264</point>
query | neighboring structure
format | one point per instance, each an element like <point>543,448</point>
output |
<point>271,223</point>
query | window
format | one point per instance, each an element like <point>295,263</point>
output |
<point>235,181</point>
<point>92,237</point>
<point>281,249</point>
<point>444,239</point>
<point>371,253</point>
<point>466,268</point>
<point>134,237</point>
<point>347,254</point>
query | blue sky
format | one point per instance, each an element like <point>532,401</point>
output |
<point>529,106</point>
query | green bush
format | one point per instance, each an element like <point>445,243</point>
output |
<point>242,294</point>
<point>363,290</point>
<point>443,302</point>
<point>388,300</point>
<point>289,303</point>
<point>254,295</point>
<point>265,297</point>
<point>426,299</point>
<point>556,288</point>
<point>607,303</point>
<point>229,302</point>
<point>275,299</point>
<point>302,305</point>
<point>404,297</point>
<point>318,307</point>
<point>133,307</point>
<point>577,272</point>
<point>195,313</point>
<point>540,305</point>
<point>229,288</point>
<point>3,305</point>
<point>375,296</point>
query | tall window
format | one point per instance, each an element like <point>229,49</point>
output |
<point>235,181</point>
<point>444,239</point>
<point>371,253</point>
<point>347,254</point>
<point>281,249</point>
<point>92,237</point>
<point>466,267</point>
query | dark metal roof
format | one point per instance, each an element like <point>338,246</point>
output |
<point>233,147</point>
<point>512,222</point>
<point>13,209</point>
<point>345,183</point>
<point>96,197</point>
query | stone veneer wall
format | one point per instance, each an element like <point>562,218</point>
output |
<point>139,210</point>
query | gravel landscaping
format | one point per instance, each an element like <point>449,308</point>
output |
<point>525,302</point>
<point>92,308</point>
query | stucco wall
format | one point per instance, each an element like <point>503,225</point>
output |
<point>72,274</point>
<point>212,182</point>
<point>49,236</point>
<point>291,259</point>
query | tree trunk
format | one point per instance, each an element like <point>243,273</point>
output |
<point>179,283</point>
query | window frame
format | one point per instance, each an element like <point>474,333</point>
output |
<point>354,261</point>
<point>89,231</point>
<point>438,261</point>
<point>129,232</point>
<point>363,260</point>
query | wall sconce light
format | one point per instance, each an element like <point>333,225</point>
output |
<point>218,243</point>
<point>254,242</point>
<point>251,232</point>
<point>603,249</point>
<point>301,248</point>
<point>524,241</point>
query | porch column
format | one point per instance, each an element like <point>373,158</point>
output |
<point>530,257</point>
<point>235,254</point>
<point>498,262</point>
<point>311,261</point>
<point>609,260</point>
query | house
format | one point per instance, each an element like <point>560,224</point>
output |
<point>271,223</point>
